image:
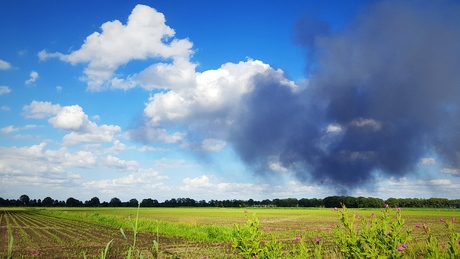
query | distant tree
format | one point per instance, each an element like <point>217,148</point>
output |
<point>95,202</point>
<point>133,203</point>
<point>25,200</point>
<point>392,202</point>
<point>72,202</point>
<point>47,202</point>
<point>149,202</point>
<point>115,202</point>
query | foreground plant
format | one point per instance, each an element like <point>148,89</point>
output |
<point>248,239</point>
<point>376,237</point>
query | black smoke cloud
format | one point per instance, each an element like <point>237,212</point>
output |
<point>384,91</point>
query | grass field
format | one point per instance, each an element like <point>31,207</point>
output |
<point>182,232</point>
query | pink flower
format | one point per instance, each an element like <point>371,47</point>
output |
<point>453,220</point>
<point>335,208</point>
<point>421,251</point>
<point>402,247</point>
<point>398,208</point>
<point>268,229</point>
<point>442,220</point>
<point>386,205</point>
<point>318,240</point>
<point>417,226</point>
<point>297,239</point>
<point>357,216</point>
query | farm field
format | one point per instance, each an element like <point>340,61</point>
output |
<point>182,232</point>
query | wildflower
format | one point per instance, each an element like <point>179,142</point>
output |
<point>268,229</point>
<point>421,251</point>
<point>442,220</point>
<point>357,216</point>
<point>402,247</point>
<point>335,208</point>
<point>459,241</point>
<point>417,226</point>
<point>297,239</point>
<point>245,211</point>
<point>34,254</point>
<point>386,205</point>
<point>318,240</point>
<point>398,208</point>
<point>453,220</point>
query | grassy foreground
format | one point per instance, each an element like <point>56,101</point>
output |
<point>198,232</point>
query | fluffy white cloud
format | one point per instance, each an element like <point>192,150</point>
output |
<point>428,161</point>
<point>120,164</point>
<point>211,101</point>
<point>4,65</point>
<point>144,180</point>
<point>8,129</point>
<point>366,123</point>
<point>33,77</point>
<point>35,161</point>
<point>39,110</point>
<point>144,36</point>
<point>72,118</point>
<point>215,91</point>
<point>4,89</point>
<point>451,171</point>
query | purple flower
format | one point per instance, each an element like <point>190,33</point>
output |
<point>318,240</point>
<point>297,239</point>
<point>417,226</point>
<point>402,247</point>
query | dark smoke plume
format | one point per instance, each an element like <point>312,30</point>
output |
<point>384,91</point>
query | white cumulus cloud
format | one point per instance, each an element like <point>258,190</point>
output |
<point>4,65</point>
<point>72,118</point>
<point>144,36</point>
<point>4,90</point>
<point>33,77</point>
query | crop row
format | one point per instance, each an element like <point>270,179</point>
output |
<point>53,237</point>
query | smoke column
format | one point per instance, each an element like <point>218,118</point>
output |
<point>382,93</point>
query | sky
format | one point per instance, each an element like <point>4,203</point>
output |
<point>229,99</point>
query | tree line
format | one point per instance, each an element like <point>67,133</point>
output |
<point>327,202</point>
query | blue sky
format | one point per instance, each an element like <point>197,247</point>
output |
<point>229,100</point>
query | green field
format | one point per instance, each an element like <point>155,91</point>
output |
<point>182,232</point>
